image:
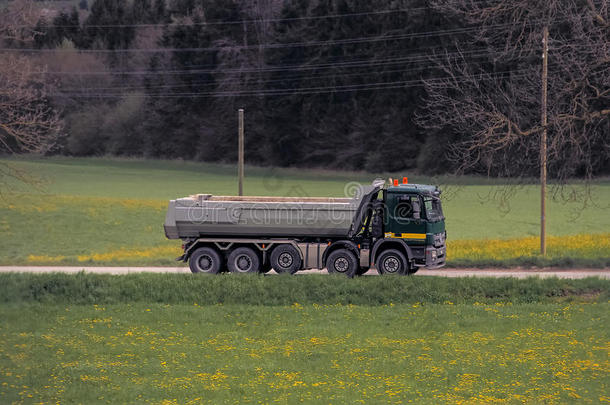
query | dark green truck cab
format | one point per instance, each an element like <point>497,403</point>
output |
<point>415,215</point>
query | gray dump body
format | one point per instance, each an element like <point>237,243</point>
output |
<point>274,217</point>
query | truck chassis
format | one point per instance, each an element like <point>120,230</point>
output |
<point>253,255</point>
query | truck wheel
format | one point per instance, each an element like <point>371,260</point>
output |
<point>205,260</point>
<point>342,261</point>
<point>285,259</point>
<point>392,262</point>
<point>243,260</point>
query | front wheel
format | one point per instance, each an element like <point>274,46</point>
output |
<point>205,260</point>
<point>392,262</point>
<point>342,261</point>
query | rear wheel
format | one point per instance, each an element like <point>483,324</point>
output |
<point>205,260</point>
<point>285,259</point>
<point>392,262</point>
<point>243,260</point>
<point>342,261</point>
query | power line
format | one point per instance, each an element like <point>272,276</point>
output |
<point>320,90</point>
<point>265,81</point>
<point>290,68</point>
<point>295,77</point>
<point>344,41</point>
<point>474,53</point>
<point>271,68</point>
<point>212,67</point>
<point>250,21</point>
<point>295,91</point>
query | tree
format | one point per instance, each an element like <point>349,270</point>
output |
<point>107,26</point>
<point>490,92</point>
<point>181,125</point>
<point>27,122</point>
<point>64,27</point>
<point>368,129</point>
<point>159,11</point>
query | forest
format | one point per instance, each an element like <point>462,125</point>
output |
<point>433,86</point>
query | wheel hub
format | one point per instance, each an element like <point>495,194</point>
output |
<point>391,264</point>
<point>205,262</point>
<point>285,260</point>
<point>243,263</point>
<point>341,265</point>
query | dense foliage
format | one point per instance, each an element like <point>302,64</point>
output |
<point>325,83</point>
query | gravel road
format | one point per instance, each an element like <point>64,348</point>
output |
<point>470,272</point>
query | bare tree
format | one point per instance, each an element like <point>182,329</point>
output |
<point>17,21</point>
<point>27,122</point>
<point>491,91</point>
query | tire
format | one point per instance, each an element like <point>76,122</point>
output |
<point>285,259</point>
<point>243,260</point>
<point>205,260</point>
<point>392,262</point>
<point>342,261</point>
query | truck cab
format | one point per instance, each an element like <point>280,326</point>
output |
<point>413,213</point>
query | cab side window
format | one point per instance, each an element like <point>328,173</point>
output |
<point>406,206</point>
<point>428,205</point>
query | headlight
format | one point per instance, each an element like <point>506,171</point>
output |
<point>439,239</point>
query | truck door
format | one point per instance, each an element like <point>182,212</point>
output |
<point>405,211</point>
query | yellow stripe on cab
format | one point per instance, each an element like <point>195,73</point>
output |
<point>405,235</point>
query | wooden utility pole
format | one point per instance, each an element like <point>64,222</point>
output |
<point>240,151</point>
<point>545,63</point>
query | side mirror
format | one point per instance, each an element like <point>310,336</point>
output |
<point>416,210</point>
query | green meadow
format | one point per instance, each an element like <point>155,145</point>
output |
<point>179,339</point>
<point>318,354</point>
<point>110,211</point>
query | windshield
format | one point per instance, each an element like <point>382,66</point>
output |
<point>434,211</point>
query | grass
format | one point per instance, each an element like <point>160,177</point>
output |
<point>552,353</point>
<point>110,212</point>
<point>179,339</point>
<point>86,288</point>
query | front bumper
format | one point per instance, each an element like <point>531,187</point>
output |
<point>436,257</point>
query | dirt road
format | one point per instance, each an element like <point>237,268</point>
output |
<point>472,272</point>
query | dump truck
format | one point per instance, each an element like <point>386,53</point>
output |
<point>394,228</point>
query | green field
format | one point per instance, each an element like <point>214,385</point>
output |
<point>178,339</point>
<point>109,211</point>
<point>103,289</point>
